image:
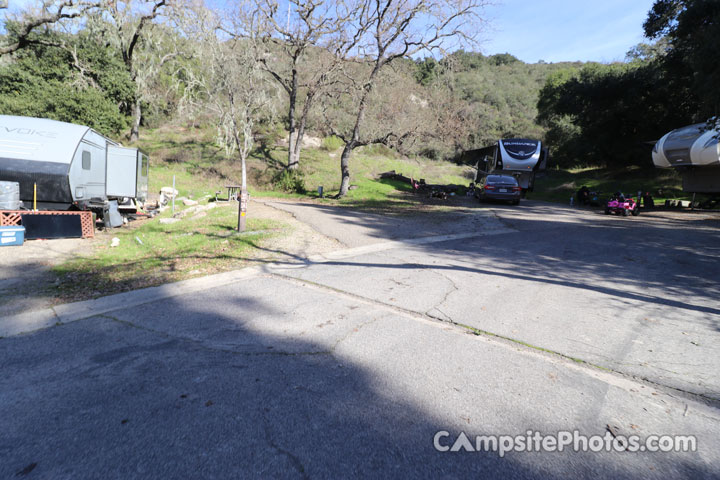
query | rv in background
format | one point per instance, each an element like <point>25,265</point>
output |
<point>519,157</point>
<point>73,166</point>
<point>694,151</point>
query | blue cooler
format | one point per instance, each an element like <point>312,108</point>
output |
<point>12,236</point>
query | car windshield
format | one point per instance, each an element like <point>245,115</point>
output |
<point>501,179</point>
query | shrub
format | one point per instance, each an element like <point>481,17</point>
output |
<point>379,150</point>
<point>331,143</point>
<point>290,181</point>
<point>269,134</point>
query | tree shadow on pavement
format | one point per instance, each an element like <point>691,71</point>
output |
<point>224,384</point>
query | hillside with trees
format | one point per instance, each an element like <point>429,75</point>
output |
<point>610,115</point>
<point>260,72</point>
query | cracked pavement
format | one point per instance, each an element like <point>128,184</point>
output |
<point>348,365</point>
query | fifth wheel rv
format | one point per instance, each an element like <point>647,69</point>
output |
<point>694,151</point>
<point>519,157</point>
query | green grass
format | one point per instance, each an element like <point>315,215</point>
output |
<point>172,252</point>
<point>201,168</point>
<point>559,185</point>
<point>168,252</point>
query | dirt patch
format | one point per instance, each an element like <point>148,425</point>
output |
<point>26,281</point>
<point>300,242</point>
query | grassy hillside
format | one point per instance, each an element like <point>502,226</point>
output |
<point>201,168</point>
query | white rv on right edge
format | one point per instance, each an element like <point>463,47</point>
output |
<point>695,152</point>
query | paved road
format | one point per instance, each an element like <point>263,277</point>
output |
<point>350,364</point>
<point>636,295</point>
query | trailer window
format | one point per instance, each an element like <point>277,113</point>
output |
<point>86,160</point>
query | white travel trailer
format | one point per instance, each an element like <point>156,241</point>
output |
<point>695,152</point>
<point>73,166</point>
<point>519,157</point>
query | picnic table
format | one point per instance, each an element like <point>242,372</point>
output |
<point>233,191</point>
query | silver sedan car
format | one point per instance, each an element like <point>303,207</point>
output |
<point>499,187</point>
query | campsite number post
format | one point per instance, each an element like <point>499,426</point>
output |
<point>242,210</point>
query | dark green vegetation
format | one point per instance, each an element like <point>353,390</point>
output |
<point>610,115</point>
<point>591,115</point>
<point>499,93</point>
<point>82,78</point>
<point>70,78</point>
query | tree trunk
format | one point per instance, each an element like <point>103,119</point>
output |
<point>350,146</point>
<point>355,138</point>
<point>297,146</point>
<point>345,170</point>
<point>293,151</point>
<point>137,116</point>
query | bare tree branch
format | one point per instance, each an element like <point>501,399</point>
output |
<point>66,9</point>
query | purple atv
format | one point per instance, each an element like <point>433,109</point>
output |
<point>623,206</point>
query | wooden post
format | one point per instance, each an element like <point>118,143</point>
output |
<point>242,210</point>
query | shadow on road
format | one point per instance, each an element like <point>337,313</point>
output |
<point>668,262</point>
<point>226,386</point>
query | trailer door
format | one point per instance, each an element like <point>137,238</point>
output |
<point>122,172</point>
<point>87,172</point>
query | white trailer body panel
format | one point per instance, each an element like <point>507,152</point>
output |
<point>122,171</point>
<point>694,145</point>
<point>695,152</point>
<point>88,168</point>
<point>39,139</point>
<point>519,154</point>
<point>143,166</point>
<point>127,173</point>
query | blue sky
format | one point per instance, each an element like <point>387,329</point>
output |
<point>565,30</point>
<point>554,30</point>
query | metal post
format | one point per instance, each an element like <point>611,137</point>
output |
<point>242,210</point>
<point>173,196</point>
